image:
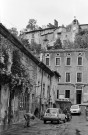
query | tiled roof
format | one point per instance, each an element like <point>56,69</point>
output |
<point>40,30</point>
<point>4,32</point>
<point>67,50</point>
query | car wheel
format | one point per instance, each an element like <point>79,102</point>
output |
<point>64,120</point>
<point>44,121</point>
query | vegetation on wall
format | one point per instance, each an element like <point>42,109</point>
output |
<point>13,72</point>
<point>57,44</point>
<point>81,39</point>
<point>32,24</point>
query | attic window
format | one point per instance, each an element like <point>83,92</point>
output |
<point>80,54</point>
<point>57,54</point>
<point>47,54</point>
<point>68,54</point>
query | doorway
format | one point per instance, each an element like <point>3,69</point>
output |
<point>78,96</point>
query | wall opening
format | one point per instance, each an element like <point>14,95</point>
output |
<point>78,96</point>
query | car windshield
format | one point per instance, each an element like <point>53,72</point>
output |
<point>74,107</point>
<point>51,111</point>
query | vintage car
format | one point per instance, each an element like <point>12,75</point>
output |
<point>75,109</point>
<point>54,114</point>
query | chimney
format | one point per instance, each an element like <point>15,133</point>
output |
<point>55,23</point>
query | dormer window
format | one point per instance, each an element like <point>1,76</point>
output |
<point>57,54</point>
<point>68,54</point>
<point>80,54</point>
<point>47,54</point>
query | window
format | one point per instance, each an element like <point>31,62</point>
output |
<point>47,61</point>
<point>57,61</point>
<point>68,62</point>
<point>67,77</point>
<point>67,93</point>
<point>57,54</point>
<point>57,94</point>
<point>43,89</point>
<point>79,77</point>
<point>69,54</point>
<point>23,102</point>
<point>47,54</point>
<point>79,60</point>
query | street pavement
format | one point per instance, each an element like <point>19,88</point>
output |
<point>19,124</point>
<point>77,126</point>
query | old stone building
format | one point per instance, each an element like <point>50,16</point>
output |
<point>47,37</point>
<point>25,82</point>
<point>73,67</point>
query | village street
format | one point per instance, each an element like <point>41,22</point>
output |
<point>77,126</point>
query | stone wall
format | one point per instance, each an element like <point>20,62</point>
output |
<point>27,64</point>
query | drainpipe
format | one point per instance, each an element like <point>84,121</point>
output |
<point>41,92</point>
<point>50,92</point>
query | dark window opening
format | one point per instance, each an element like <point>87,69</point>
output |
<point>79,60</point>
<point>57,61</point>
<point>67,93</point>
<point>47,61</point>
<point>68,61</point>
<point>78,96</point>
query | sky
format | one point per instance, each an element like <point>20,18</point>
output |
<point>16,13</point>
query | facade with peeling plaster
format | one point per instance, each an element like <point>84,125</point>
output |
<point>38,75</point>
<point>47,37</point>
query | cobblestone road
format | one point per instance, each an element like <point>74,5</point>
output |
<point>77,126</point>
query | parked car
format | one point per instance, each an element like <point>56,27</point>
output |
<point>54,114</point>
<point>75,109</point>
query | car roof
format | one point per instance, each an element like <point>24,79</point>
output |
<point>53,108</point>
<point>75,105</point>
